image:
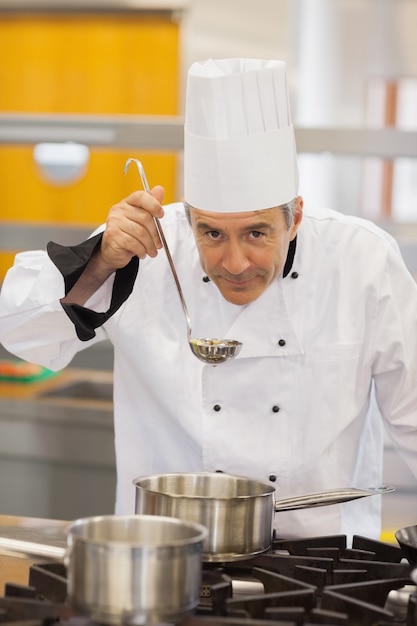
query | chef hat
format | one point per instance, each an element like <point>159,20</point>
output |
<point>239,144</point>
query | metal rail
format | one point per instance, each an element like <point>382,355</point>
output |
<point>146,132</point>
<point>166,133</point>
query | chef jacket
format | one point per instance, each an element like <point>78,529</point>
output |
<point>329,356</point>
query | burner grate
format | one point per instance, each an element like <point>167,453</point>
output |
<point>303,582</point>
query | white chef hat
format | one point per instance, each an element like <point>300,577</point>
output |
<point>239,143</point>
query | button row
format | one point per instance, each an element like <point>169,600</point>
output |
<point>217,408</point>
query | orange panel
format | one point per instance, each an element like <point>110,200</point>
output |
<point>24,195</point>
<point>6,261</point>
<point>89,64</point>
<point>69,63</point>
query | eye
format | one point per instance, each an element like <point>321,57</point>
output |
<point>255,234</point>
<point>213,234</point>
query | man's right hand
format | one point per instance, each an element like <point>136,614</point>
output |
<point>131,230</point>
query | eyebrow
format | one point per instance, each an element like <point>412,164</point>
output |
<point>256,226</point>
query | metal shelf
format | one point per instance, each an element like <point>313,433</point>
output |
<point>166,133</point>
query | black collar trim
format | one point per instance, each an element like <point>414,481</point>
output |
<point>290,257</point>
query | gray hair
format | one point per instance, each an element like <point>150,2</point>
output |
<point>288,209</point>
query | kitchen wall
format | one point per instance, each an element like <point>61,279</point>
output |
<point>335,50</point>
<point>356,65</point>
<point>86,64</point>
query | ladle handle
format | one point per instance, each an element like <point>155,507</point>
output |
<point>31,550</point>
<point>325,498</point>
<point>164,242</point>
<point>173,270</point>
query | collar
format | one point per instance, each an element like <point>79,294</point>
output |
<point>290,257</point>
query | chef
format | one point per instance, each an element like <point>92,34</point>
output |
<point>322,302</point>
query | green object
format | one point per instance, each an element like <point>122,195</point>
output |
<point>18,371</point>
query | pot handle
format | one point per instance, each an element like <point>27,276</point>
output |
<point>325,498</point>
<point>31,550</point>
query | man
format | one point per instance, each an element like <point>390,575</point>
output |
<point>322,302</point>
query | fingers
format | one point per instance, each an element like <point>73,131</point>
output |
<point>149,202</point>
<point>130,228</point>
<point>158,192</point>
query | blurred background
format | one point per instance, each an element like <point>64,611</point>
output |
<point>86,84</point>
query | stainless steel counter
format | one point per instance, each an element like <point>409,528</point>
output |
<point>57,446</point>
<point>49,531</point>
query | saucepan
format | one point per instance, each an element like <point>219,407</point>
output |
<point>126,569</point>
<point>238,512</point>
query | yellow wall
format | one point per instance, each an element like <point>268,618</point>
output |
<point>93,64</point>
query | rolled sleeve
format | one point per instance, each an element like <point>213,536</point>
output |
<point>71,261</point>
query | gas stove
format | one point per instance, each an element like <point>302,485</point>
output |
<point>297,582</point>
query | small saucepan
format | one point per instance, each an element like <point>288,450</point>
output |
<point>126,569</point>
<point>237,511</point>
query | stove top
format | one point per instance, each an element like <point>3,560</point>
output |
<point>298,582</point>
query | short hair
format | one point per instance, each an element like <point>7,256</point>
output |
<point>288,209</point>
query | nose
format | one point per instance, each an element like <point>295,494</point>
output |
<point>235,260</point>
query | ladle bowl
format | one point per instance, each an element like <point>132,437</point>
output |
<point>211,351</point>
<point>215,351</point>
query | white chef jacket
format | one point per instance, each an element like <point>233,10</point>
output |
<point>293,409</point>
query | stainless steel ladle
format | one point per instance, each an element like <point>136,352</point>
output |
<point>213,351</point>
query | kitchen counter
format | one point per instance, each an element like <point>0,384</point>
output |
<point>52,532</point>
<point>57,446</point>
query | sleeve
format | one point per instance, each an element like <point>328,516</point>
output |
<point>71,262</point>
<point>395,357</point>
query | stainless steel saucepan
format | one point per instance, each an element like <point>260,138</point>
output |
<point>238,512</point>
<point>126,569</point>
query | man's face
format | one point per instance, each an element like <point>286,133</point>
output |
<point>242,253</point>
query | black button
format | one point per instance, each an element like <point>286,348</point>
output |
<point>282,342</point>
<point>275,409</point>
<point>272,478</point>
<point>206,279</point>
<point>217,407</point>
<point>294,274</point>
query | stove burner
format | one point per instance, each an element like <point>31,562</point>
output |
<point>297,582</point>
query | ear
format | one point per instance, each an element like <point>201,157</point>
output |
<point>298,216</point>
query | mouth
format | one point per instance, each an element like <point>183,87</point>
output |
<point>238,283</point>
